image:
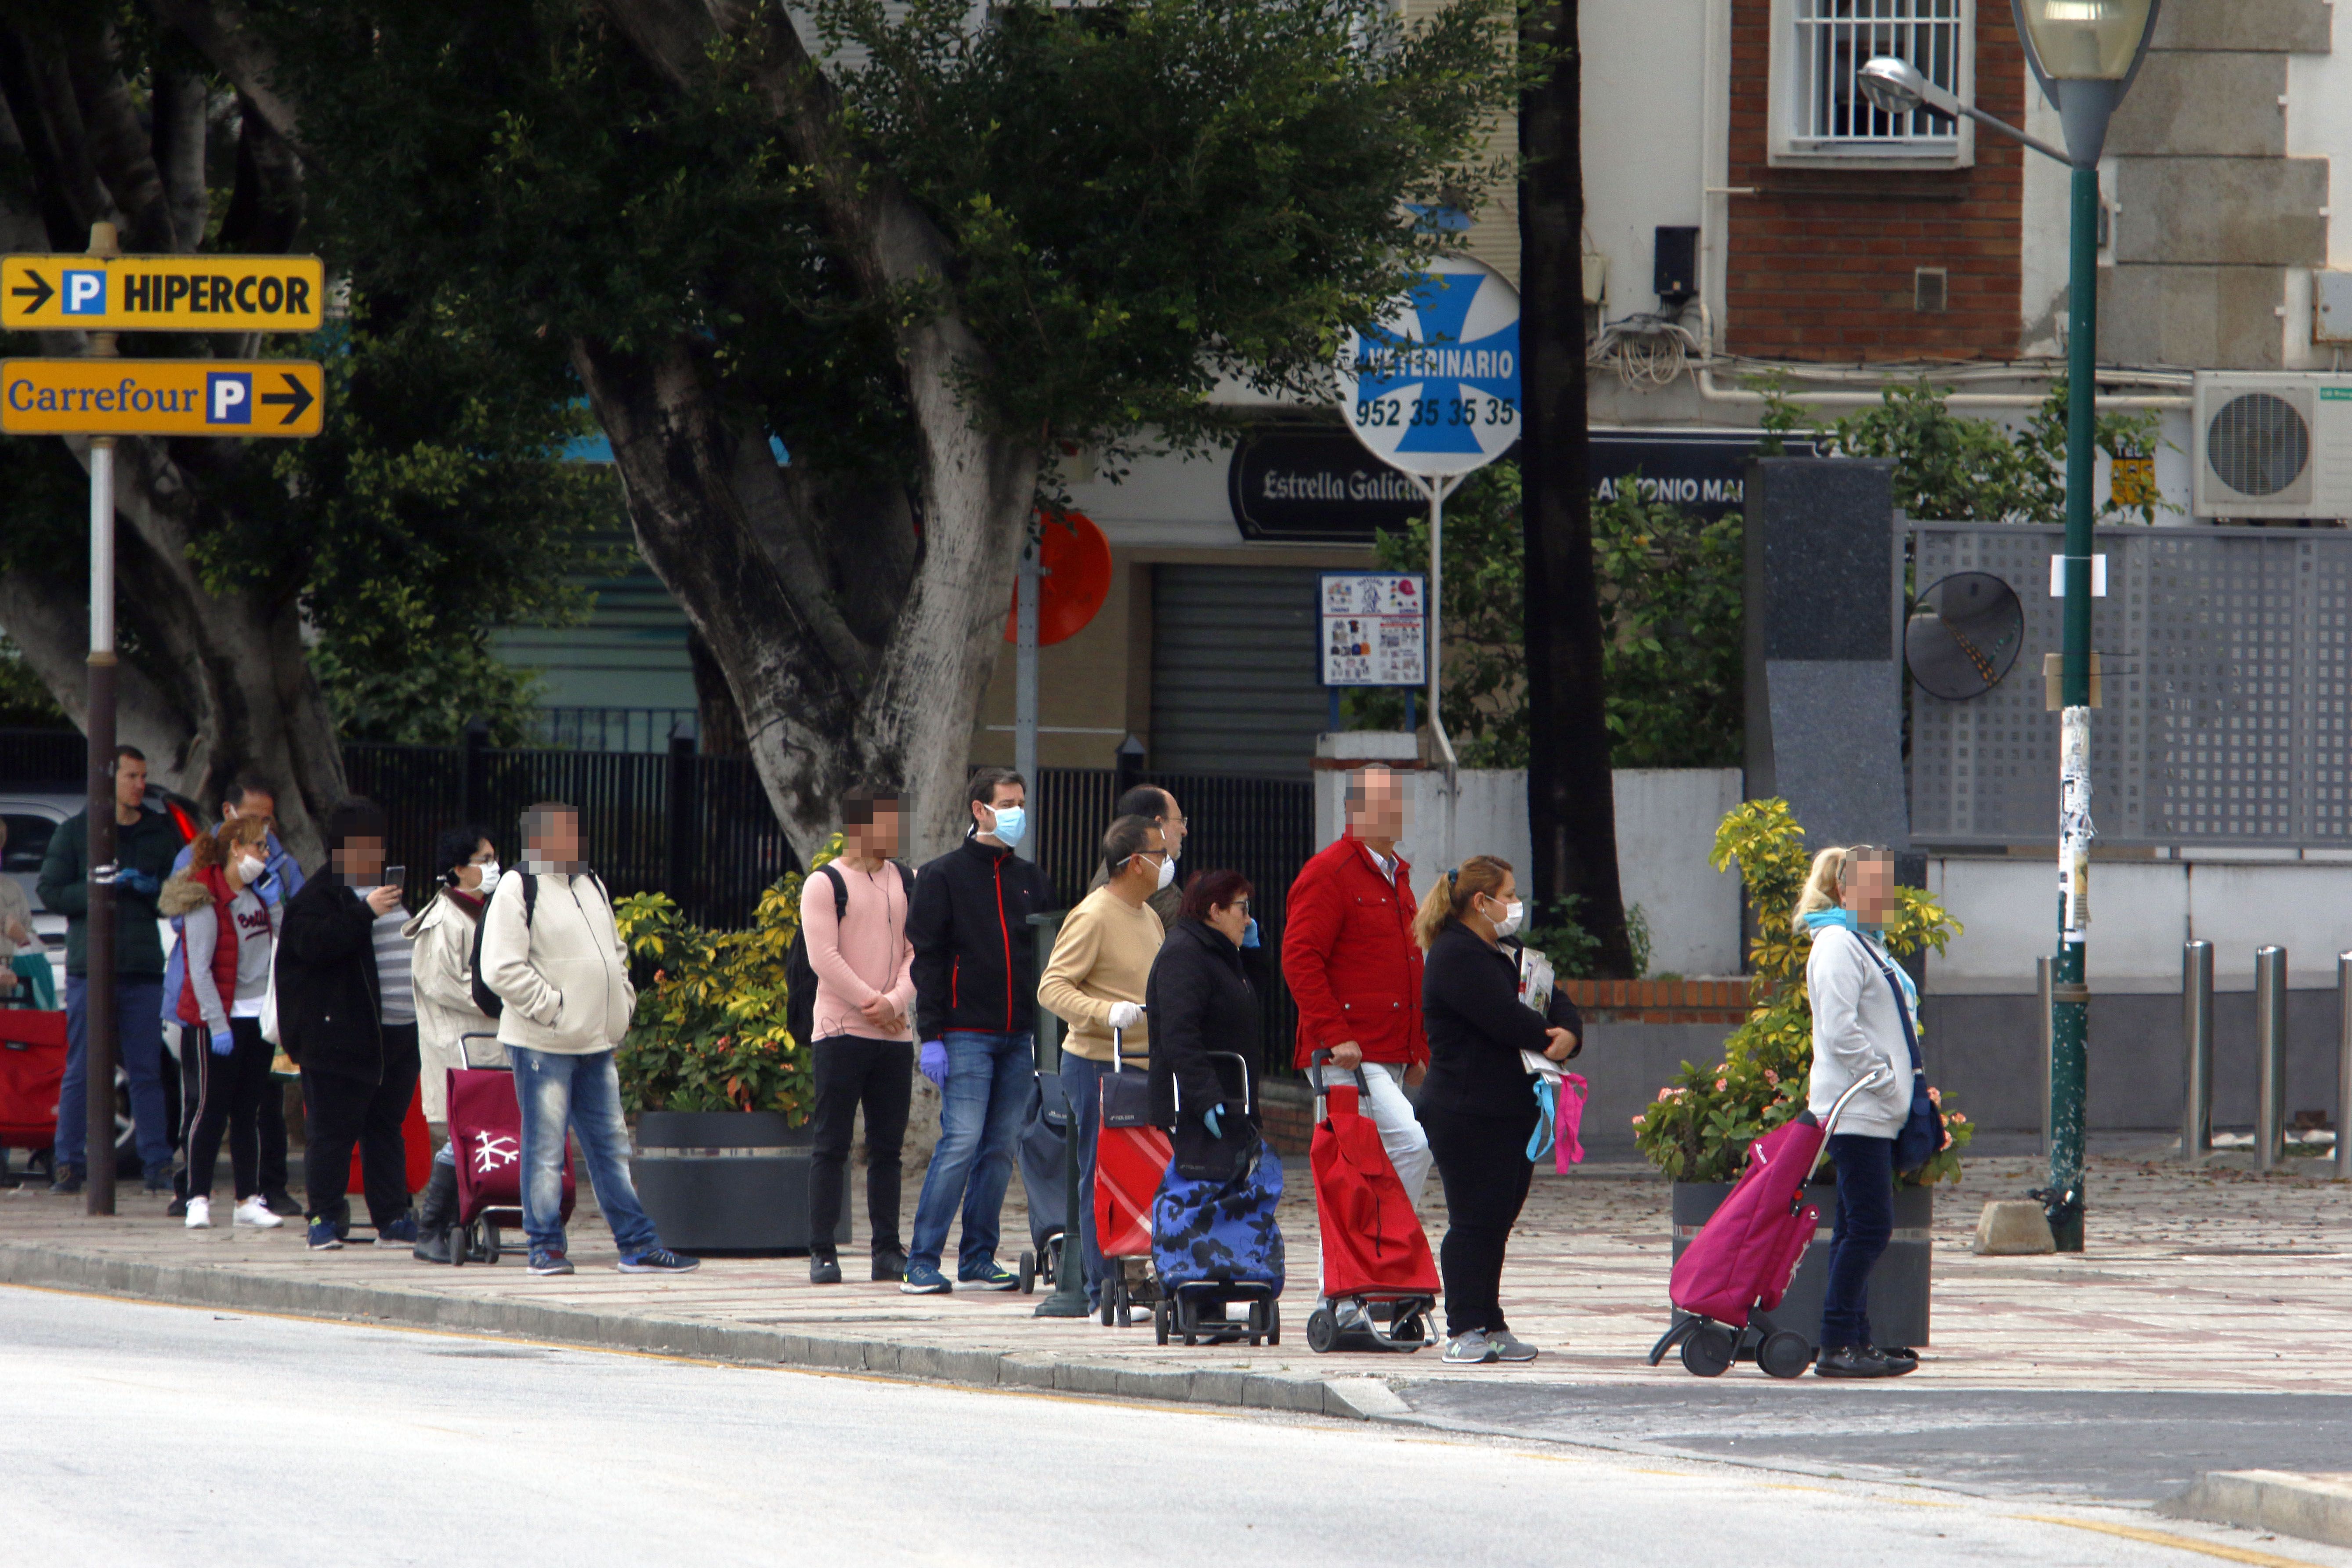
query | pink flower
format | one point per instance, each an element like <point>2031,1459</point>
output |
<point>1935,1097</point>
<point>1637,1122</point>
<point>1771,1078</point>
<point>1721,1084</point>
<point>1665,1095</point>
<point>1957,1120</point>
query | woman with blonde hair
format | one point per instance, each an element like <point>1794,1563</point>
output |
<point>1865,1022</point>
<point>1478,1103</point>
<point>230,914</point>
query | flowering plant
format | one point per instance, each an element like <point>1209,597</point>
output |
<point>1699,1127</point>
<point>708,1033</point>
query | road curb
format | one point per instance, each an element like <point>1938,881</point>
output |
<point>2310,1508</point>
<point>1351,1398</point>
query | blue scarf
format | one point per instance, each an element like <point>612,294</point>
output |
<point>1816,920</point>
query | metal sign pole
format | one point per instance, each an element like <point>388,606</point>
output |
<point>1028,588</point>
<point>99,1025</point>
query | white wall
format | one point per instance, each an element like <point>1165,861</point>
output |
<point>1665,826</point>
<point>1649,112</point>
<point>2142,911</point>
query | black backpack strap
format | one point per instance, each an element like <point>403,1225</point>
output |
<point>529,899</point>
<point>840,891</point>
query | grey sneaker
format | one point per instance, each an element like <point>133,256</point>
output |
<point>1508,1346</point>
<point>1473,1349</point>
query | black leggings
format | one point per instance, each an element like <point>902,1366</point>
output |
<point>880,1075</point>
<point>228,1095</point>
<point>1482,1162</point>
<point>340,1112</point>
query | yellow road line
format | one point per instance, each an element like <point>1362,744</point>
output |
<point>2178,1542</point>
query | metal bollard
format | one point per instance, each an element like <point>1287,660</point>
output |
<point>2269,1056</point>
<point>2197,1035</point>
<point>2343,1067</point>
<point>2043,978</point>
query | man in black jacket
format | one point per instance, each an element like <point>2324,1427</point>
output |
<point>976,1012</point>
<point>357,1075</point>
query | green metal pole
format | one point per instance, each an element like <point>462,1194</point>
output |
<point>2069,997</point>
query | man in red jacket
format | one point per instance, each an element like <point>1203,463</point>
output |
<point>1348,955</point>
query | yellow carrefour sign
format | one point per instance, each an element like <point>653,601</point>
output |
<point>161,293</point>
<point>160,397</point>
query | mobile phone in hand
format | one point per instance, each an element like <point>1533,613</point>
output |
<point>395,876</point>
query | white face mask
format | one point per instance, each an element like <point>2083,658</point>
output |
<point>1167,871</point>
<point>250,869</point>
<point>1513,912</point>
<point>489,869</point>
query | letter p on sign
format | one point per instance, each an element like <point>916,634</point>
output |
<point>85,294</point>
<point>228,398</point>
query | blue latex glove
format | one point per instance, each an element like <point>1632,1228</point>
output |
<point>1249,932</point>
<point>224,1043</point>
<point>269,890</point>
<point>1209,1119</point>
<point>934,1062</point>
<point>142,883</point>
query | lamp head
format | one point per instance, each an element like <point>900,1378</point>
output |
<point>2087,41</point>
<point>1893,86</point>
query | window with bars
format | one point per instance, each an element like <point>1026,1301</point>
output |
<point>1822,111</point>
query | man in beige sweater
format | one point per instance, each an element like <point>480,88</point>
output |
<point>1094,983</point>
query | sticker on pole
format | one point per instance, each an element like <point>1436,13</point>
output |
<point>1375,628</point>
<point>1433,388</point>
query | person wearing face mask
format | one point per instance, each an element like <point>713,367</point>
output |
<point>1095,982</point>
<point>975,970</point>
<point>442,971</point>
<point>228,930</point>
<point>1477,1103</point>
<point>1157,805</point>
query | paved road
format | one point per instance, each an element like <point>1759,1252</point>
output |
<point>166,1434</point>
<point>2106,1445</point>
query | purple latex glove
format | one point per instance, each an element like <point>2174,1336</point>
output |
<point>224,1043</point>
<point>934,1062</point>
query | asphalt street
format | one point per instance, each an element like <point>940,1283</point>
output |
<point>160,1434</point>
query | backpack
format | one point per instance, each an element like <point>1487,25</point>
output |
<point>487,1001</point>
<point>800,974</point>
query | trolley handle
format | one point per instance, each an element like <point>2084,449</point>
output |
<point>1318,1067</point>
<point>1249,1105</point>
<point>1118,1054</point>
<point>1870,1080</point>
<point>466,1054</point>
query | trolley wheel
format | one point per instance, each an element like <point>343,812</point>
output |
<point>489,1242</point>
<point>1708,1350</point>
<point>1784,1354</point>
<point>1028,1273</point>
<point>1049,1260</point>
<point>457,1246</point>
<point>1322,1330</point>
<point>1188,1319</point>
<point>1409,1331</point>
<point>1159,1315</point>
<point>1273,1321</point>
<point>1126,1305</point>
<point>1256,1323</point>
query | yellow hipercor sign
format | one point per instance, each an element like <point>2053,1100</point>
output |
<point>160,397</point>
<point>161,293</point>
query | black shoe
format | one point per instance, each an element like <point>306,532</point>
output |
<point>1854,1360</point>
<point>889,1267</point>
<point>280,1204</point>
<point>1900,1357</point>
<point>438,1209</point>
<point>177,1208</point>
<point>68,1180</point>
<point>824,1269</point>
<point>159,1182</point>
<point>433,1246</point>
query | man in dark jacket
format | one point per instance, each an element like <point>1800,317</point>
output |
<point>331,1021</point>
<point>144,842</point>
<point>975,1012</point>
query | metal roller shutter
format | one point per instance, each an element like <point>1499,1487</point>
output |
<point>1234,683</point>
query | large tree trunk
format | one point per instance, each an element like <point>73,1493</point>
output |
<point>1571,810</point>
<point>838,684</point>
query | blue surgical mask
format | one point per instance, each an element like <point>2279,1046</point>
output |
<point>1249,932</point>
<point>1011,825</point>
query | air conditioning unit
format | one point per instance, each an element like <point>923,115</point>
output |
<point>2275,444</point>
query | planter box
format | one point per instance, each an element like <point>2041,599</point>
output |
<point>731,1181</point>
<point>1899,1286</point>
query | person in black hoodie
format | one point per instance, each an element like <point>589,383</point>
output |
<point>357,1078</point>
<point>1200,1000</point>
<point>975,973</point>
<point>1478,1103</point>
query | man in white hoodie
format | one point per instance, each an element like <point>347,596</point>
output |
<point>552,953</point>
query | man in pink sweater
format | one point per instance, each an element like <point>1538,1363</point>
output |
<point>853,917</point>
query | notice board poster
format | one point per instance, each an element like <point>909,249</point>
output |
<point>1375,628</point>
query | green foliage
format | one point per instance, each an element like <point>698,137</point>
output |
<point>1953,467</point>
<point>1700,1126</point>
<point>709,1031</point>
<point>25,702</point>
<point>1670,591</point>
<point>1574,950</point>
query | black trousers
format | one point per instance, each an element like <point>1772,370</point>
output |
<point>269,1123</point>
<point>880,1076</point>
<point>1483,1162</point>
<point>341,1112</point>
<point>227,1100</point>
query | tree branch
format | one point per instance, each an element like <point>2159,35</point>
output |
<point>219,31</point>
<point>177,138</point>
<point>118,144</point>
<point>48,123</point>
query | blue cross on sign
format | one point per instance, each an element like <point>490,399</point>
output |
<point>1433,388</point>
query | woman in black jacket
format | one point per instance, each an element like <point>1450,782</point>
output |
<point>331,1021</point>
<point>1200,1000</point>
<point>1478,1103</point>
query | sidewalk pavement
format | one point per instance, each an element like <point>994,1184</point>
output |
<point>2208,1281</point>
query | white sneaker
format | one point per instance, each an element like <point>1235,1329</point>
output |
<point>253,1212</point>
<point>200,1213</point>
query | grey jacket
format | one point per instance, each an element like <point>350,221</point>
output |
<point>1856,1026</point>
<point>564,977</point>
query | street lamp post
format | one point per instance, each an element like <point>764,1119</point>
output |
<point>2085,54</point>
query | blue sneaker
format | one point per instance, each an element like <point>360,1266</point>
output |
<point>658,1261</point>
<point>924,1280</point>
<point>548,1261</point>
<point>401,1232</point>
<point>990,1276</point>
<point>324,1237</point>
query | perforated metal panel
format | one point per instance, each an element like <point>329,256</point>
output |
<point>2227,685</point>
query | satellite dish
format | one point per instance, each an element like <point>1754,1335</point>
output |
<point>1964,635</point>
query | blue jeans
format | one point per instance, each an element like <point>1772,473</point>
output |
<point>1080,1081</point>
<point>555,1091</point>
<point>139,1042</point>
<point>980,1111</point>
<point>1865,1186</point>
